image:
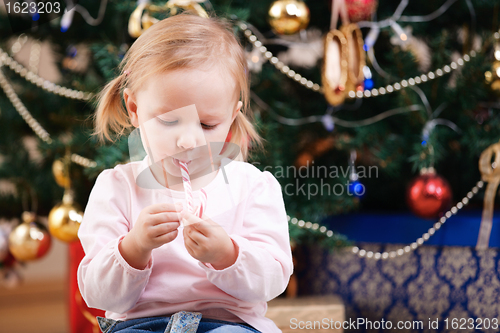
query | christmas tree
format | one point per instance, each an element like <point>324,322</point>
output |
<point>425,98</point>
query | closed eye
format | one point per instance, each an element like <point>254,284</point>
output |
<point>208,127</point>
<point>168,123</point>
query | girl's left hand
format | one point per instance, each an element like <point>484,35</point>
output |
<point>208,242</point>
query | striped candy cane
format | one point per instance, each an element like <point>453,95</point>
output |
<point>187,186</point>
<point>189,192</point>
<point>203,202</point>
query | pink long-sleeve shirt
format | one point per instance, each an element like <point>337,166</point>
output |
<point>250,208</point>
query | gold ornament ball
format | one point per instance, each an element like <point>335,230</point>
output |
<point>141,19</point>
<point>493,77</point>
<point>288,17</point>
<point>495,86</point>
<point>60,173</point>
<point>64,221</point>
<point>30,240</point>
<point>488,76</point>
<point>496,70</point>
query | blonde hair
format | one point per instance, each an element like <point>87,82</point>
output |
<point>178,42</point>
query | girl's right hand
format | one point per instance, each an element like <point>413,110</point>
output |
<point>156,225</point>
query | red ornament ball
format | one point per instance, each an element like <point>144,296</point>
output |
<point>429,195</point>
<point>9,261</point>
<point>359,10</point>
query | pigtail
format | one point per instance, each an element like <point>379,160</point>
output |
<point>244,134</point>
<point>111,116</point>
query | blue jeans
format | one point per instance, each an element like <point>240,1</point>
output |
<point>159,324</point>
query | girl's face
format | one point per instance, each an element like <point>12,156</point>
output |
<point>181,112</point>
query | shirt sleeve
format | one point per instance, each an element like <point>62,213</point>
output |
<point>264,263</point>
<point>106,281</point>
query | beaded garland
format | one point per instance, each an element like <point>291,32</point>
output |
<point>406,249</point>
<point>352,93</point>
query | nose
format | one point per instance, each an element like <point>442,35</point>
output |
<point>186,141</point>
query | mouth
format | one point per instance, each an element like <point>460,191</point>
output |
<point>176,162</point>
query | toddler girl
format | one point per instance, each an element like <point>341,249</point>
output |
<point>152,264</point>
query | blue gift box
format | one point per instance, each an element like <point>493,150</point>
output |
<point>404,228</point>
<point>437,287</point>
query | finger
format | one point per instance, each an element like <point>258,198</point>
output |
<point>188,239</point>
<point>189,218</point>
<point>195,233</point>
<point>205,227</point>
<point>164,217</point>
<point>197,236</point>
<point>190,246</point>
<point>168,237</point>
<point>164,228</point>
<point>164,207</point>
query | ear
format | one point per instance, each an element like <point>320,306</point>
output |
<point>131,105</point>
<point>238,109</point>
